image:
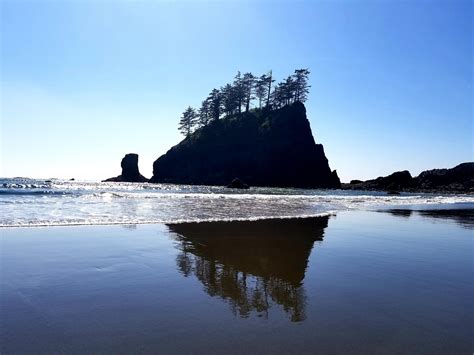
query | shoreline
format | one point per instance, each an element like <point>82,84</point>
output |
<point>414,209</point>
<point>172,287</point>
<point>172,222</point>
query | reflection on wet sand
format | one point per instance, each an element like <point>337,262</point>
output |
<point>254,264</point>
<point>464,217</point>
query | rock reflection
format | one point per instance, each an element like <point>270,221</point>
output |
<point>252,265</point>
<point>462,216</point>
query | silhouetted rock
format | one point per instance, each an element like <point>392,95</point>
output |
<point>458,179</point>
<point>238,184</point>
<point>130,172</point>
<point>394,182</point>
<point>72,179</point>
<point>263,148</point>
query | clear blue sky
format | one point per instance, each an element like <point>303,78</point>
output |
<point>84,82</point>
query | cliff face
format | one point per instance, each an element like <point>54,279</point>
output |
<point>130,172</point>
<point>262,148</point>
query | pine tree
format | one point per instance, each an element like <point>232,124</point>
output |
<point>270,81</point>
<point>229,99</point>
<point>239,91</point>
<point>278,96</point>
<point>248,83</point>
<point>204,113</point>
<point>301,84</point>
<point>261,89</point>
<point>215,103</point>
<point>289,90</point>
<point>187,121</point>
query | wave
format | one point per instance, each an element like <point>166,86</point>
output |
<point>27,192</point>
<point>45,203</point>
<point>164,221</point>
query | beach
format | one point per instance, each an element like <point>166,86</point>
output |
<point>397,281</point>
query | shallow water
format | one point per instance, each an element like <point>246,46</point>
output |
<point>358,282</point>
<point>28,202</point>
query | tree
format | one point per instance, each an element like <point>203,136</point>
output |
<point>215,103</point>
<point>289,90</point>
<point>278,96</point>
<point>248,83</point>
<point>229,99</point>
<point>270,81</point>
<point>301,84</point>
<point>245,88</point>
<point>239,91</point>
<point>204,113</point>
<point>187,121</point>
<point>261,89</point>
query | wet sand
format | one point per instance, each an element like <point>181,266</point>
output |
<point>358,282</point>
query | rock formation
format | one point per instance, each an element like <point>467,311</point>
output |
<point>458,179</point>
<point>263,148</point>
<point>237,184</point>
<point>130,172</point>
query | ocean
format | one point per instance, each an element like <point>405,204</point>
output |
<point>36,202</point>
<point>91,267</point>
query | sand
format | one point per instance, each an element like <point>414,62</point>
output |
<point>356,282</point>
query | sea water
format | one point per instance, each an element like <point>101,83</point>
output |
<point>34,202</point>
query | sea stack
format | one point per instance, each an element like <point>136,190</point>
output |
<point>130,172</point>
<point>261,147</point>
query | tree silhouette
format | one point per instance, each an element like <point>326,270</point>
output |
<point>301,84</point>
<point>204,113</point>
<point>187,121</point>
<point>248,83</point>
<point>278,96</point>
<point>215,103</point>
<point>261,89</point>
<point>270,81</point>
<point>230,99</point>
<point>239,91</point>
<point>289,90</point>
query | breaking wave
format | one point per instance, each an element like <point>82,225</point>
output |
<point>29,202</point>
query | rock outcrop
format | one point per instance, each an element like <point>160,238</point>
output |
<point>263,148</point>
<point>237,184</point>
<point>458,179</point>
<point>130,172</point>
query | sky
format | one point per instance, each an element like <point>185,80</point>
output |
<point>85,82</point>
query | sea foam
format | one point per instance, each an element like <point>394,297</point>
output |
<point>29,202</point>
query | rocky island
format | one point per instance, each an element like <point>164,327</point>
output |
<point>261,147</point>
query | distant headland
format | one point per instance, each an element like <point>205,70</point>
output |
<point>457,179</point>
